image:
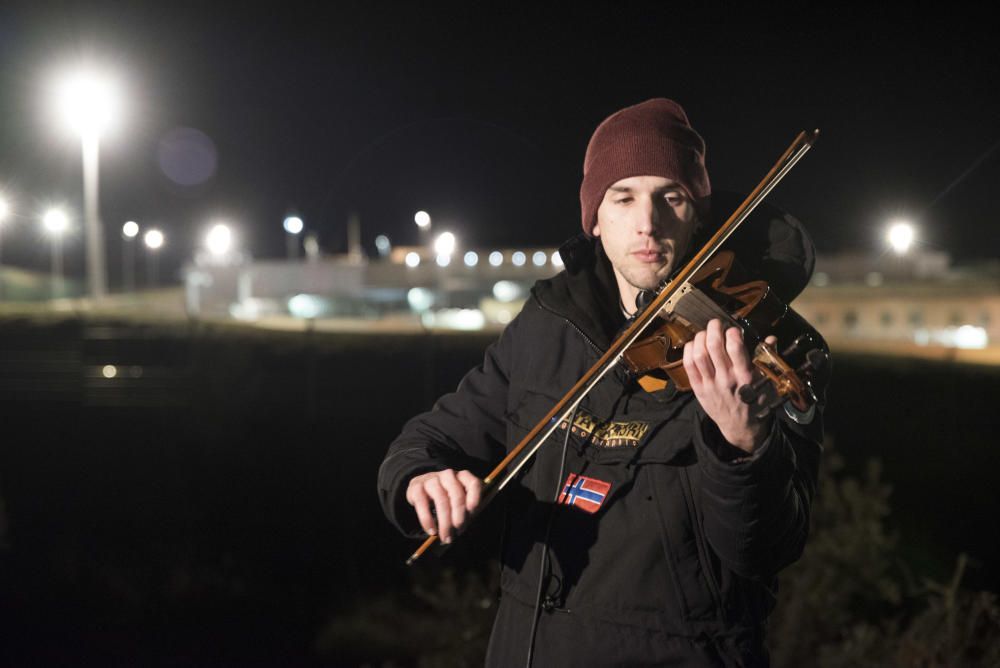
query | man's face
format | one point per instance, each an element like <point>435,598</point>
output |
<point>645,224</point>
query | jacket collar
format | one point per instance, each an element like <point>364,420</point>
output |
<point>585,292</point>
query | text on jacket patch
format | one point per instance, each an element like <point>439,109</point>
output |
<point>611,434</point>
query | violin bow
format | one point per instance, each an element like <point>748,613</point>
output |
<point>497,479</point>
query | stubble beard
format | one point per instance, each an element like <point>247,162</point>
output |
<point>645,280</point>
<point>642,280</point>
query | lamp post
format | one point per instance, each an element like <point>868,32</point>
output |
<point>56,223</point>
<point>154,241</point>
<point>88,102</point>
<point>444,246</point>
<point>4,210</point>
<point>293,227</point>
<point>129,232</point>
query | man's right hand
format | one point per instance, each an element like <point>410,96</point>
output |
<point>453,494</point>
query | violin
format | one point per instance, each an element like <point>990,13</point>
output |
<point>697,293</point>
<point>722,289</point>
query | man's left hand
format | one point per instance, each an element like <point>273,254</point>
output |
<point>717,365</point>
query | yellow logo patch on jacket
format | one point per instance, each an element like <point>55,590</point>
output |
<point>610,434</point>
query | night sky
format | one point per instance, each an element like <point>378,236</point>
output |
<point>481,117</point>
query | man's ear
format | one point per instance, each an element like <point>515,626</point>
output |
<point>597,230</point>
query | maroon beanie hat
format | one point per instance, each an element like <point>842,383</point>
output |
<point>653,138</point>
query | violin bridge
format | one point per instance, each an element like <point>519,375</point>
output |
<point>670,305</point>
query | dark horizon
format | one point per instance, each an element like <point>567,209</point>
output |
<point>482,118</point>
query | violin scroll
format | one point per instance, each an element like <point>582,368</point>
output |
<point>779,381</point>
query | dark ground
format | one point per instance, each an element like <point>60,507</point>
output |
<point>218,507</point>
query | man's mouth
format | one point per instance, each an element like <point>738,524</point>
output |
<point>648,255</point>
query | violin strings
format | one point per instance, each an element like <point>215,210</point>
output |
<point>698,309</point>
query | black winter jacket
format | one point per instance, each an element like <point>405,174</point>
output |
<point>665,540</point>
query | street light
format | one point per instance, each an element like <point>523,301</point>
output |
<point>445,244</point>
<point>154,241</point>
<point>293,227</point>
<point>383,245</point>
<point>129,232</point>
<point>900,236</point>
<point>56,223</point>
<point>219,240</point>
<point>423,221</point>
<point>89,103</point>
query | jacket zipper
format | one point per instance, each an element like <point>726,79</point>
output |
<point>568,322</point>
<point>618,370</point>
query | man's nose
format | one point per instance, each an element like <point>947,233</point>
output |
<point>650,218</point>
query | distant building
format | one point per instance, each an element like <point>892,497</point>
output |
<point>410,281</point>
<point>917,299</point>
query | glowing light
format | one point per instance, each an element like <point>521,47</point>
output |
<point>89,101</point>
<point>821,279</point>
<point>467,319</point>
<point>496,258</point>
<point>443,260</point>
<point>382,244</point>
<point>4,209</point>
<point>539,258</point>
<point>419,299</point>
<point>109,371</point>
<point>471,259</point>
<point>293,224</point>
<point>966,336</point>
<point>504,316</point>
<point>153,239</point>
<point>412,259</point>
<point>557,260</point>
<point>55,221</point>
<point>970,336</point>
<point>518,258</point>
<point>464,319</point>
<point>873,278</point>
<point>445,244</point>
<point>422,219</point>
<point>900,236</point>
<point>305,306</point>
<point>506,291</point>
<point>130,229</point>
<point>219,239</point>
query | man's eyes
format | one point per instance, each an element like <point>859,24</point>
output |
<point>673,199</point>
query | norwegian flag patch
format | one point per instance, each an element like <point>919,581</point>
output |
<point>587,494</point>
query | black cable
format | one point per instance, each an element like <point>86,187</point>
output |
<point>545,540</point>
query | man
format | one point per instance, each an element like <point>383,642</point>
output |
<point>653,536</point>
